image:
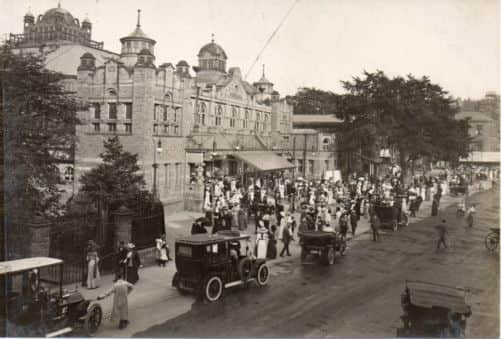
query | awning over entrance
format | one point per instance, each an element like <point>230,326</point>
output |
<point>263,160</point>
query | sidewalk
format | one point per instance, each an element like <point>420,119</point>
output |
<point>154,301</point>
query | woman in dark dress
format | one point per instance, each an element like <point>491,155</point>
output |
<point>133,262</point>
<point>271,252</point>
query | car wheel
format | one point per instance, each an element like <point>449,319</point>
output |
<point>245,269</point>
<point>304,254</point>
<point>93,319</point>
<point>263,275</point>
<point>330,256</point>
<point>213,289</point>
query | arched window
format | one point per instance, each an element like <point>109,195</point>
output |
<point>246,120</point>
<point>219,115</point>
<point>234,116</point>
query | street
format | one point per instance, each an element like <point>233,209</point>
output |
<point>360,295</point>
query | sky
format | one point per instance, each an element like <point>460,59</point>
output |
<point>322,42</point>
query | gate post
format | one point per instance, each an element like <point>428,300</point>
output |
<point>122,219</point>
<point>39,232</point>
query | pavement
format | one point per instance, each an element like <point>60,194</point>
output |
<point>153,300</point>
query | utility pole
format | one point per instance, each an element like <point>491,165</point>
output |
<point>294,158</point>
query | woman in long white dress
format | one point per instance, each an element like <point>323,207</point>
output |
<point>93,275</point>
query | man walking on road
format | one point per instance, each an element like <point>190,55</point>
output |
<point>375,224</point>
<point>442,232</point>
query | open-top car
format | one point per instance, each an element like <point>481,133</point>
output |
<point>37,305</point>
<point>323,245</point>
<point>209,263</point>
<point>433,310</point>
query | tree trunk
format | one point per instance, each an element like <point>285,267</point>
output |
<point>404,165</point>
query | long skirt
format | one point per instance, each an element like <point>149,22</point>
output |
<point>93,275</point>
<point>132,275</point>
<point>271,252</point>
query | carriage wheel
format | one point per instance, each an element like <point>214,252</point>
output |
<point>491,241</point>
<point>93,319</point>
<point>330,256</point>
<point>395,226</point>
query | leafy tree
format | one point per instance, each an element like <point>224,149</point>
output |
<point>116,181</point>
<point>313,101</point>
<point>410,115</point>
<point>39,119</point>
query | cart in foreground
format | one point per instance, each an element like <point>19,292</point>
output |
<point>433,310</point>
<point>37,305</point>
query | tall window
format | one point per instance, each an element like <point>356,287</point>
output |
<point>97,110</point>
<point>128,128</point>
<point>97,127</point>
<point>203,110</point>
<point>176,130</point>
<point>112,127</point>
<point>234,115</point>
<point>68,173</point>
<point>128,111</point>
<point>246,119</point>
<point>219,115</point>
<point>112,109</point>
<point>176,115</point>
<point>166,129</point>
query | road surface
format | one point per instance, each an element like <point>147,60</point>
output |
<point>360,295</point>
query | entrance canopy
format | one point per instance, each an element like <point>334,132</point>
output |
<point>263,160</point>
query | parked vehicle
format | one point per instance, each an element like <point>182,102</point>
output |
<point>36,303</point>
<point>492,239</point>
<point>322,244</point>
<point>433,310</point>
<point>456,189</point>
<point>207,264</point>
<point>391,216</point>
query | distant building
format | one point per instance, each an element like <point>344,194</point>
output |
<point>484,131</point>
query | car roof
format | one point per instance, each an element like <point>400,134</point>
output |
<point>428,295</point>
<point>205,238</point>
<point>19,265</point>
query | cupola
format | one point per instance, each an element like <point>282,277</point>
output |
<point>212,57</point>
<point>134,43</point>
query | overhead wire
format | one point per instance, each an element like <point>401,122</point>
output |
<point>270,38</point>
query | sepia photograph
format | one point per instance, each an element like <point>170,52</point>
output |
<point>250,168</point>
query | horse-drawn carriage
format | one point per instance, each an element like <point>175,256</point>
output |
<point>433,310</point>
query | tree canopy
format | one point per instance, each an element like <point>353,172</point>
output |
<point>409,115</point>
<point>310,100</point>
<point>39,119</point>
<point>117,180</point>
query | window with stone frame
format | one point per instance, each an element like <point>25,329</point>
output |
<point>97,110</point>
<point>176,113</point>
<point>97,127</point>
<point>69,174</point>
<point>219,115</point>
<point>246,119</point>
<point>166,129</point>
<point>166,113</point>
<point>112,110</point>
<point>128,110</point>
<point>202,113</point>
<point>234,116</point>
<point>112,127</point>
<point>176,130</point>
<point>155,129</point>
<point>128,128</point>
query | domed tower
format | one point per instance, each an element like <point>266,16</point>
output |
<point>29,21</point>
<point>264,88</point>
<point>87,26</point>
<point>135,43</point>
<point>87,62</point>
<point>183,69</point>
<point>211,62</point>
<point>145,59</point>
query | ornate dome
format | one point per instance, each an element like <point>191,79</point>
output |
<point>182,63</point>
<point>59,15</point>
<point>214,50</point>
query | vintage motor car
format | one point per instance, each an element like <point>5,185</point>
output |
<point>322,244</point>
<point>433,310</point>
<point>37,305</point>
<point>207,264</point>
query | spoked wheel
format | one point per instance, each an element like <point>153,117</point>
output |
<point>93,319</point>
<point>263,275</point>
<point>213,289</point>
<point>330,256</point>
<point>492,241</point>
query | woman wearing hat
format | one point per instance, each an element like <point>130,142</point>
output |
<point>132,262</point>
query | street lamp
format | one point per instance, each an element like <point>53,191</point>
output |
<point>157,149</point>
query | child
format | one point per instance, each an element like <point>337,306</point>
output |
<point>461,209</point>
<point>164,254</point>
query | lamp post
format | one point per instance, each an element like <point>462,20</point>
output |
<point>157,149</point>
